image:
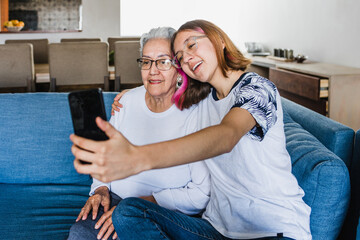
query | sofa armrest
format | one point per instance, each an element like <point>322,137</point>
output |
<point>337,137</point>
<point>322,175</point>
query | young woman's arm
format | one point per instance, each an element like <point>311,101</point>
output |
<point>117,158</point>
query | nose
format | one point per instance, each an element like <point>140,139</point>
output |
<point>153,69</point>
<point>187,56</point>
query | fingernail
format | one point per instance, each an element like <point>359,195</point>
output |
<point>96,226</point>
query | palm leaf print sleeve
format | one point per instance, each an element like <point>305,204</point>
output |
<point>257,95</point>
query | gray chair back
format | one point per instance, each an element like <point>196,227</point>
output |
<point>78,65</point>
<point>40,48</point>
<point>16,68</point>
<point>80,40</point>
<point>112,40</point>
<point>127,70</point>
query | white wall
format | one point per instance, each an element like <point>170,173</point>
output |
<point>325,30</point>
<point>101,18</point>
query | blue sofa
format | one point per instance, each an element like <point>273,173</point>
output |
<point>41,193</point>
<point>356,184</point>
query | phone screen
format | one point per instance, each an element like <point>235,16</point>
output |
<point>85,106</point>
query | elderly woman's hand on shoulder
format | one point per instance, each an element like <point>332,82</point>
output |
<point>116,105</point>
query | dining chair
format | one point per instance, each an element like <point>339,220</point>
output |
<point>80,40</point>
<point>112,40</point>
<point>16,68</point>
<point>127,71</point>
<point>78,65</point>
<point>40,48</point>
<point>41,56</point>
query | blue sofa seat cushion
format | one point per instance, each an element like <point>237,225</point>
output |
<point>322,175</point>
<point>40,211</point>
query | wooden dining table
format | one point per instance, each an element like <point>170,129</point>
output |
<point>42,74</point>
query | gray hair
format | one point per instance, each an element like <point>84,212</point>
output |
<point>160,32</point>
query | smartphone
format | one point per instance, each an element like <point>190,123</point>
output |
<point>85,106</point>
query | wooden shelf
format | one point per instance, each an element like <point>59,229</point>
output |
<point>40,31</point>
<point>330,89</point>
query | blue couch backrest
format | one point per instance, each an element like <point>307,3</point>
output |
<point>34,132</point>
<point>335,136</point>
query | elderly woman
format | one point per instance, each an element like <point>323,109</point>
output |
<point>149,116</point>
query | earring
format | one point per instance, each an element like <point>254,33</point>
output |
<point>179,81</point>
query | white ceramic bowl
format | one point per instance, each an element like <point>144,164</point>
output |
<point>14,29</point>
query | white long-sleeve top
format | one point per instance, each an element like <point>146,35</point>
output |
<point>184,188</point>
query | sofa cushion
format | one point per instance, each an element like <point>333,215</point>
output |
<point>35,145</point>
<point>40,211</point>
<point>322,175</point>
<point>335,136</point>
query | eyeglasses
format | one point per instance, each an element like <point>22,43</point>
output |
<point>161,64</point>
<point>190,46</point>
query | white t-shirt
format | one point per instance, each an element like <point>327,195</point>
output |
<point>184,188</point>
<point>253,192</point>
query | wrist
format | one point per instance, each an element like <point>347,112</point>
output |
<point>143,159</point>
<point>102,190</point>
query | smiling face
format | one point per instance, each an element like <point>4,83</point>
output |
<point>158,84</point>
<point>199,63</point>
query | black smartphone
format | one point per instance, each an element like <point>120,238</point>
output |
<point>85,106</point>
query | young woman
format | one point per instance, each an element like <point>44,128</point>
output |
<point>253,192</point>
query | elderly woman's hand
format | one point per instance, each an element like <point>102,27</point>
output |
<point>107,226</point>
<point>109,160</point>
<point>116,105</point>
<point>102,197</point>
